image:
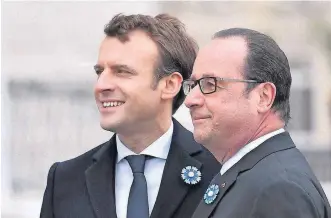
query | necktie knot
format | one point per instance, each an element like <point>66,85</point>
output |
<point>137,163</point>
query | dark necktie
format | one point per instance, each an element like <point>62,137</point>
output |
<point>138,198</point>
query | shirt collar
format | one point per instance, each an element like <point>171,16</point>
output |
<point>248,148</point>
<point>159,148</point>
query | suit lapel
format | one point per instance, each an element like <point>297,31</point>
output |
<point>173,189</point>
<point>100,180</point>
<point>225,182</point>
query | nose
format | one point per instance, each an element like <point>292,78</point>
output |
<point>105,81</point>
<point>194,98</point>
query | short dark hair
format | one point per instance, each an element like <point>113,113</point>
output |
<point>265,62</point>
<point>177,50</point>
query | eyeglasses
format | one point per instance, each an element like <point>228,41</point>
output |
<point>209,85</point>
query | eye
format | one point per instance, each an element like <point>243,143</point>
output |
<point>208,83</point>
<point>121,71</point>
<point>98,70</point>
<point>188,86</point>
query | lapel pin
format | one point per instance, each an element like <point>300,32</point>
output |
<point>191,175</point>
<point>223,185</point>
<point>211,194</point>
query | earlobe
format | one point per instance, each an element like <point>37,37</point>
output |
<point>172,85</point>
<point>267,96</point>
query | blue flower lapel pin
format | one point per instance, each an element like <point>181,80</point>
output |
<point>191,175</point>
<point>211,194</point>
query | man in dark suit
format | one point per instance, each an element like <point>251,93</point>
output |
<point>238,96</point>
<point>151,167</point>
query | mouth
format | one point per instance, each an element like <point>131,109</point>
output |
<point>199,118</point>
<point>110,104</point>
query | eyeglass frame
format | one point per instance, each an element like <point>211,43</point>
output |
<point>216,79</point>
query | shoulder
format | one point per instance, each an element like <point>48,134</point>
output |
<point>77,164</point>
<point>286,180</point>
<point>292,199</point>
<point>285,169</point>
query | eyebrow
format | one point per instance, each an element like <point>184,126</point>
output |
<point>117,67</point>
<point>123,67</point>
<point>207,74</point>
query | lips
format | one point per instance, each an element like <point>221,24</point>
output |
<point>199,115</point>
<point>199,118</point>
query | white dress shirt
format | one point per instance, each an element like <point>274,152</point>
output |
<point>153,171</point>
<point>246,149</point>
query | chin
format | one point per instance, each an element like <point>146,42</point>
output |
<point>107,128</point>
<point>202,136</point>
<point>198,137</point>
<point>112,127</point>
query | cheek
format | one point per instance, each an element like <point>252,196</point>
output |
<point>247,106</point>
<point>221,106</point>
<point>143,97</point>
<point>226,111</point>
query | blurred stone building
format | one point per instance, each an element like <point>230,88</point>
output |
<point>49,49</point>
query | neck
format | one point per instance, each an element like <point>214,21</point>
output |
<point>269,123</point>
<point>145,135</point>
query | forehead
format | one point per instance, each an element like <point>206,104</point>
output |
<point>139,50</point>
<point>222,58</point>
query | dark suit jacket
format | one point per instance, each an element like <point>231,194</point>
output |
<point>272,181</point>
<point>84,186</point>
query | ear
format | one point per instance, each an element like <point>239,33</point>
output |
<point>267,95</point>
<point>171,85</point>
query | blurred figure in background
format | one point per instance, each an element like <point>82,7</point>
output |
<point>238,96</point>
<point>151,167</point>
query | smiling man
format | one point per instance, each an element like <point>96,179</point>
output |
<point>151,167</point>
<point>238,96</point>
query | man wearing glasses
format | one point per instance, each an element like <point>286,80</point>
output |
<point>238,96</point>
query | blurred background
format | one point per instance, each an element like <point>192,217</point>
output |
<point>48,53</point>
